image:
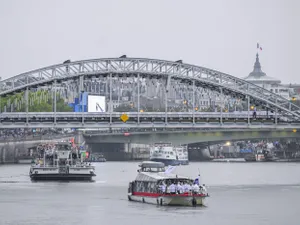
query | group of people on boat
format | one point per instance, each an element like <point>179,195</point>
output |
<point>182,187</point>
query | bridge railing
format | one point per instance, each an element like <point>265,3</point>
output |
<point>136,114</point>
<point>135,117</point>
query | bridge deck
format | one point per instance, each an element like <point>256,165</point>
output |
<point>143,120</point>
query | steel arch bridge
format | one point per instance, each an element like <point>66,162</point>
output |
<point>140,68</point>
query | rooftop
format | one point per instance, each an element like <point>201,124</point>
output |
<point>258,75</point>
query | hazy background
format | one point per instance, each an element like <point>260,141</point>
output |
<point>219,34</point>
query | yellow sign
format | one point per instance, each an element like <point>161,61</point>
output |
<point>124,118</point>
<point>294,130</point>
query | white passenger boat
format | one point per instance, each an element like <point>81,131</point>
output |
<point>64,163</point>
<point>152,176</point>
<point>169,154</point>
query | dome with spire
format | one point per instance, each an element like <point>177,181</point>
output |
<point>258,76</point>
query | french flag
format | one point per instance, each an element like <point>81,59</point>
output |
<point>259,47</point>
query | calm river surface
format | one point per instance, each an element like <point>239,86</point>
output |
<point>241,193</point>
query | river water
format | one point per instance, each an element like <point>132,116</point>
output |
<point>241,193</point>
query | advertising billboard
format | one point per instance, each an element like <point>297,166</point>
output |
<point>96,103</point>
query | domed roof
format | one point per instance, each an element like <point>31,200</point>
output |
<point>258,75</point>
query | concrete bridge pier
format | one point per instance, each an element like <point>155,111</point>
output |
<point>79,139</point>
<point>128,151</point>
<point>127,147</point>
<point>2,155</point>
<point>16,154</point>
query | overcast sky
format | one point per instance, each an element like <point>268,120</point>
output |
<point>218,34</point>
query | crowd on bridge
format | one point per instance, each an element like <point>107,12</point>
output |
<point>21,133</point>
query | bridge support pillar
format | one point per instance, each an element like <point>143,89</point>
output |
<point>16,155</point>
<point>79,138</point>
<point>127,147</point>
<point>3,155</point>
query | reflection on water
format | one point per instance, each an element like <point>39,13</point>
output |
<point>241,193</point>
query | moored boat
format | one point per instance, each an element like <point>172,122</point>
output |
<point>63,163</point>
<point>155,185</point>
<point>169,154</point>
<point>96,157</point>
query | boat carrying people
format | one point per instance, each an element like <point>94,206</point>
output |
<point>156,185</point>
<point>61,162</point>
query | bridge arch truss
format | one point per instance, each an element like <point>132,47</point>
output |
<point>193,76</point>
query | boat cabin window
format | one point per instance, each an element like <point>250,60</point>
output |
<point>145,186</point>
<point>63,147</point>
<point>152,169</point>
<point>176,181</point>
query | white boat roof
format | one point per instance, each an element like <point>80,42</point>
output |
<point>151,164</point>
<point>155,176</point>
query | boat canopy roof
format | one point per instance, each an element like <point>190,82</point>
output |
<point>150,164</point>
<point>154,177</point>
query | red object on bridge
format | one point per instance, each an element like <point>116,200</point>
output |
<point>126,134</point>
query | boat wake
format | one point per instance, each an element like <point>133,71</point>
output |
<point>13,182</point>
<point>254,186</point>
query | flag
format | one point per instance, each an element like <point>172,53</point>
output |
<point>259,47</point>
<point>170,169</point>
<point>82,144</point>
<point>197,180</point>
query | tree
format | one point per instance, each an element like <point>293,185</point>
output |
<point>125,108</point>
<point>39,103</point>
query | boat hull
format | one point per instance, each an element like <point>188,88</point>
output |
<point>97,160</point>
<point>170,162</point>
<point>169,200</point>
<point>63,177</point>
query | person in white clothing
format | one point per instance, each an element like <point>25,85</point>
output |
<point>179,188</point>
<point>187,188</point>
<point>172,189</point>
<point>163,188</point>
<point>204,189</point>
<point>196,188</point>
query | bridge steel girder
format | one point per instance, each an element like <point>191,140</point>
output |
<point>190,137</point>
<point>205,77</point>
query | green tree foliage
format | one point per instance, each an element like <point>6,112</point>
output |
<point>39,103</point>
<point>125,108</point>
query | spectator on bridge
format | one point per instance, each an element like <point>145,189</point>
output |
<point>254,113</point>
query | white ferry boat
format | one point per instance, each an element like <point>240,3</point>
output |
<point>147,187</point>
<point>168,154</point>
<point>64,163</point>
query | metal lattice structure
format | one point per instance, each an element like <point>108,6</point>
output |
<point>126,67</point>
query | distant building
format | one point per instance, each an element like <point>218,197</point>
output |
<point>259,78</point>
